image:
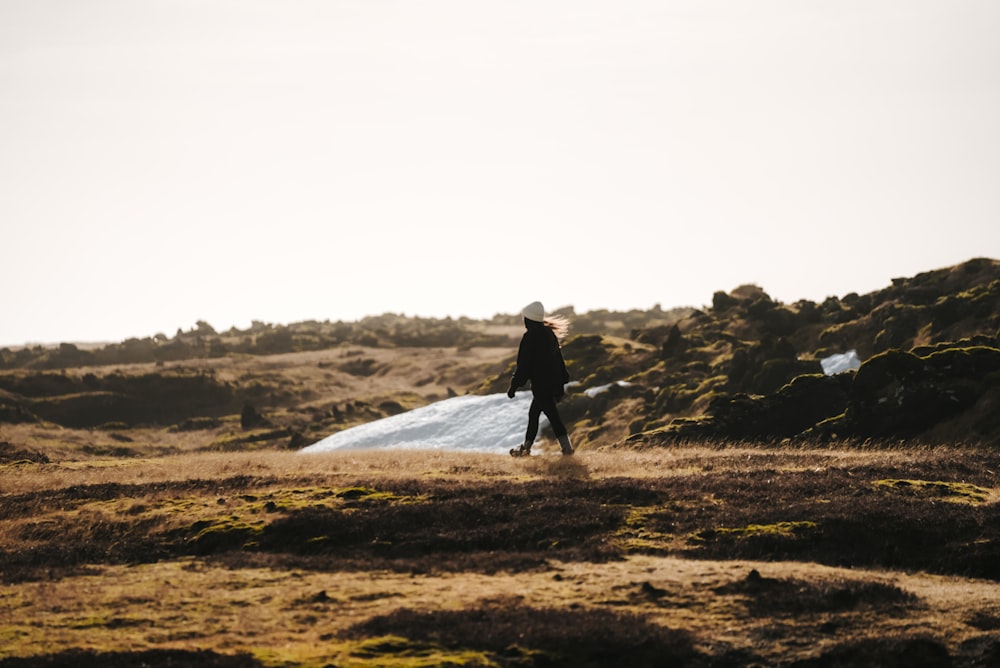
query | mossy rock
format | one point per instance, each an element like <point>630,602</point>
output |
<point>776,373</point>
<point>900,324</point>
<point>791,411</point>
<point>900,395</point>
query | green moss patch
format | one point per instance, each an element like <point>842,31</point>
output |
<point>954,492</point>
<point>224,534</point>
<point>786,529</point>
<point>392,651</point>
<point>639,534</point>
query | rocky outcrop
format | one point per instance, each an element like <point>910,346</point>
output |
<point>900,394</point>
<point>894,396</point>
<point>748,368</point>
<point>793,409</point>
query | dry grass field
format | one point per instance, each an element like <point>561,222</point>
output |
<point>692,556</point>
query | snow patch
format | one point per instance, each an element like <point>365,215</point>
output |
<point>470,423</point>
<point>594,391</point>
<point>840,363</point>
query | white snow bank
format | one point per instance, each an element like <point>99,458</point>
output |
<point>594,391</point>
<point>835,364</point>
<point>470,423</point>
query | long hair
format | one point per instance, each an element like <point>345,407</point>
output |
<point>559,325</point>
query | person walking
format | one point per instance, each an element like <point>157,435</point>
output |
<point>540,361</point>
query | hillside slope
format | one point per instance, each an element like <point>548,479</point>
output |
<point>748,367</point>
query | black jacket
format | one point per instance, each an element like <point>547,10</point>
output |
<point>540,361</point>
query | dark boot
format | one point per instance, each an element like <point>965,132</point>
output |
<point>523,450</point>
<point>567,447</point>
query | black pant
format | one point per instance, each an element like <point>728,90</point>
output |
<point>539,405</point>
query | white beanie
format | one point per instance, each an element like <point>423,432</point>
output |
<point>534,311</point>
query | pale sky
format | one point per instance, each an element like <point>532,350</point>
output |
<point>169,161</point>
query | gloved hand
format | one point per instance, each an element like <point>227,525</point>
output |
<point>510,393</point>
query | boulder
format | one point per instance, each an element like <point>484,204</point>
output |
<point>894,395</point>
<point>793,409</point>
<point>918,390</point>
<point>901,394</point>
